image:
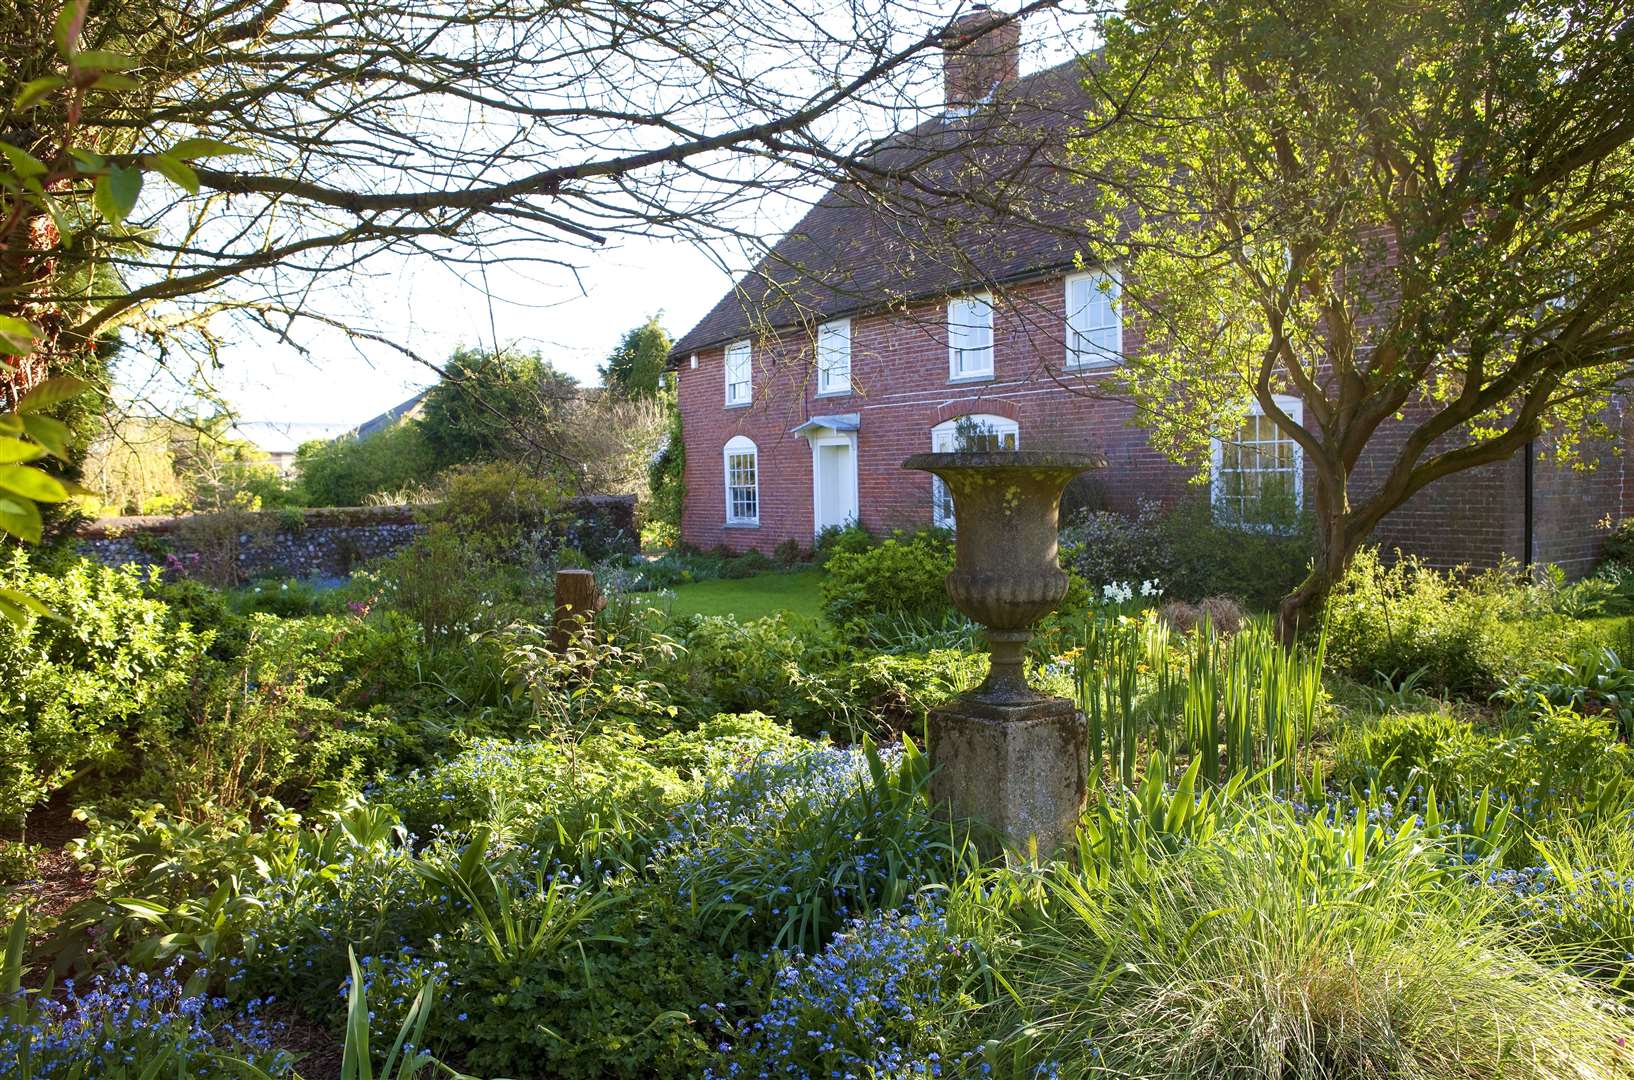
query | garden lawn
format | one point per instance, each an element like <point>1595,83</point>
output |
<point>752,598</point>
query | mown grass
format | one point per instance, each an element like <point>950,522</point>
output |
<point>752,598</point>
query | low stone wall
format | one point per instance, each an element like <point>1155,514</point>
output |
<point>327,542</point>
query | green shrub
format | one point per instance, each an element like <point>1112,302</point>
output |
<point>1540,765</point>
<point>780,664</point>
<point>614,1002</point>
<point>1187,552</point>
<point>543,792</point>
<point>1462,633</point>
<point>346,471</point>
<point>75,690</point>
<point>1208,558</point>
<point>747,565</point>
<point>1619,544</point>
<point>841,540</point>
<point>904,575</point>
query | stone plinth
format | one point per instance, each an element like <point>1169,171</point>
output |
<point>1019,769</point>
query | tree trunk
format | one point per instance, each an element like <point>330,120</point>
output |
<point>1330,558</point>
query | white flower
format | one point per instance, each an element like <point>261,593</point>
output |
<point>1151,588</point>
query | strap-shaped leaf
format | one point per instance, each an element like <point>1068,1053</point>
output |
<point>35,90</point>
<point>70,21</point>
<point>23,163</point>
<point>17,606</point>
<point>31,483</point>
<point>102,60</point>
<point>51,393</point>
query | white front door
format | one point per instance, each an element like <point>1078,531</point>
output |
<point>834,481</point>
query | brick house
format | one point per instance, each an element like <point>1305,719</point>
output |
<point>876,325</point>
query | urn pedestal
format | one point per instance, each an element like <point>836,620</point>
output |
<point>1003,754</point>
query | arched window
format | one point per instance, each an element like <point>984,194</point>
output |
<point>978,431</point>
<point>742,482</point>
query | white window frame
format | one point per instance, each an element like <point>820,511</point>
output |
<point>1295,408</point>
<point>834,358</point>
<point>968,338</point>
<point>740,446</point>
<point>738,369</point>
<point>1094,327</point>
<point>942,442</point>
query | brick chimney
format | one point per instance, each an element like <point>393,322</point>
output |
<point>980,51</point>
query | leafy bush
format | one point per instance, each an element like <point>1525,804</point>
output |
<point>544,793</point>
<point>1103,546</point>
<point>779,664</point>
<point>903,575</point>
<point>346,471</point>
<point>1463,633</point>
<point>841,540</point>
<point>74,690</point>
<point>610,1001</point>
<point>1619,544</point>
<point>1186,550</point>
<point>1540,765</point>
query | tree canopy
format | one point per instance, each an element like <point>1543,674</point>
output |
<point>635,368</point>
<point>1418,212</point>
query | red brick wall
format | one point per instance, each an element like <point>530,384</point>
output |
<point>901,389</point>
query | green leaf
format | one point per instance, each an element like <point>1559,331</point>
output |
<point>176,171</point>
<point>101,60</point>
<point>16,335</point>
<point>17,606</point>
<point>13,451</point>
<point>20,518</point>
<point>116,192</point>
<point>49,432</point>
<point>51,393</point>
<point>115,82</point>
<point>35,90</point>
<point>23,163</point>
<point>69,21</point>
<point>31,483</point>
<point>189,149</point>
<point>89,161</point>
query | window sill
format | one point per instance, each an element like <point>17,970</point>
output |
<point>738,404</point>
<point>833,393</point>
<point>1082,367</point>
<point>986,376</point>
<point>741,525</point>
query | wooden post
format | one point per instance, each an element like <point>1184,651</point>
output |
<point>577,601</point>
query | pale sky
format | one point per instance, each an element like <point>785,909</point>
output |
<point>572,319</point>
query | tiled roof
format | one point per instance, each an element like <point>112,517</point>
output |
<point>956,202</point>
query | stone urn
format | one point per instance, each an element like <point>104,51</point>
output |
<point>1003,753</point>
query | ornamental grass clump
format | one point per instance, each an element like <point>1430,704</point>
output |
<point>1304,949</point>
